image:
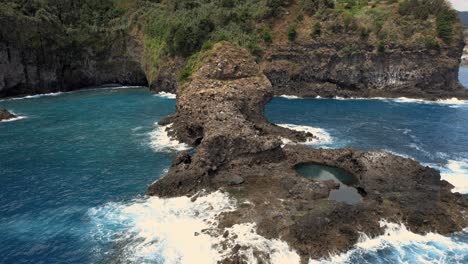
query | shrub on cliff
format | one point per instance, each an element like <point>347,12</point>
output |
<point>292,33</point>
<point>444,24</point>
<point>422,9</point>
<point>316,29</point>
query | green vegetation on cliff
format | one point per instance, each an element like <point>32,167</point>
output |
<point>180,28</point>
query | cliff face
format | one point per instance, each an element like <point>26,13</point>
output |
<point>312,70</point>
<point>30,71</point>
<point>384,50</point>
<point>60,46</point>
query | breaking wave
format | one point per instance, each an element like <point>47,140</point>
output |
<point>166,95</point>
<point>13,119</point>
<point>18,117</point>
<point>456,173</point>
<point>156,230</point>
<point>453,102</point>
<point>34,96</point>
<point>400,245</point>
<point>290,96</point>
<point>160,141</point>
<point>179,230</point>
<point>324,138</point>
<point>75,91</point>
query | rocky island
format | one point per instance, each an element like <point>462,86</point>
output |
<point>5,115</point>
<point>220,113</point>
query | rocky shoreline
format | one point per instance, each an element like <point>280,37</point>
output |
<point>220,113</point>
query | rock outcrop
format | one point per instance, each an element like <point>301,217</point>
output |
<point>220,113</point>
<point>5,115</point>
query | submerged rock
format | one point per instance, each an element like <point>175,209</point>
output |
<point>5,115</point>
<point>220,112</point>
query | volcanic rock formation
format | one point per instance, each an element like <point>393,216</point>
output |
<point>220,113</point>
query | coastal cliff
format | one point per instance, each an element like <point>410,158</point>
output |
<point>62,46</point>
<point>237,151</point>
<point>306,47</point>
<point>408,49</point>
<point>317,69</point>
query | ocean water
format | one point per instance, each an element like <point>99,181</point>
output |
<point>75,167</point>
<point>70,153</point>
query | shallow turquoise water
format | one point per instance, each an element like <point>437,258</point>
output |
<point>346,193</point>
<point>73,174</point>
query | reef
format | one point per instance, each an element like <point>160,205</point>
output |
<point>236,150</point>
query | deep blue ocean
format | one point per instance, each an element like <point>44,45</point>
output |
<point>74,170</point>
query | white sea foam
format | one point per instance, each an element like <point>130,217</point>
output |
<point>158,230</point>
<point>246,235</point>
<point>166,95</point>
<point>162,142</point>
<point>290,96</point>
<point>456,172</point>
<point>279,252</point>
<point>35,96</point>
<point>13,119</point>
<point>178,230</point>
<point>454,102</point>
<point>18,117</point>
<point>323,136</point>
<point>61,93</point>
<point>400,245</point>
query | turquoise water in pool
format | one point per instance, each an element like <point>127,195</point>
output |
<point>346,193</point>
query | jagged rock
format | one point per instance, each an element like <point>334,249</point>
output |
<point>5,115</point>
<point>236,180</point>
<point>182,158</point>
<point>222,110</point>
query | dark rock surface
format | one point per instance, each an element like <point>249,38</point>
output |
<point>167,77</point>
<point>310,69</point>
<point>26,71</point>
<point>220,112</point>
<point>5,115</point>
